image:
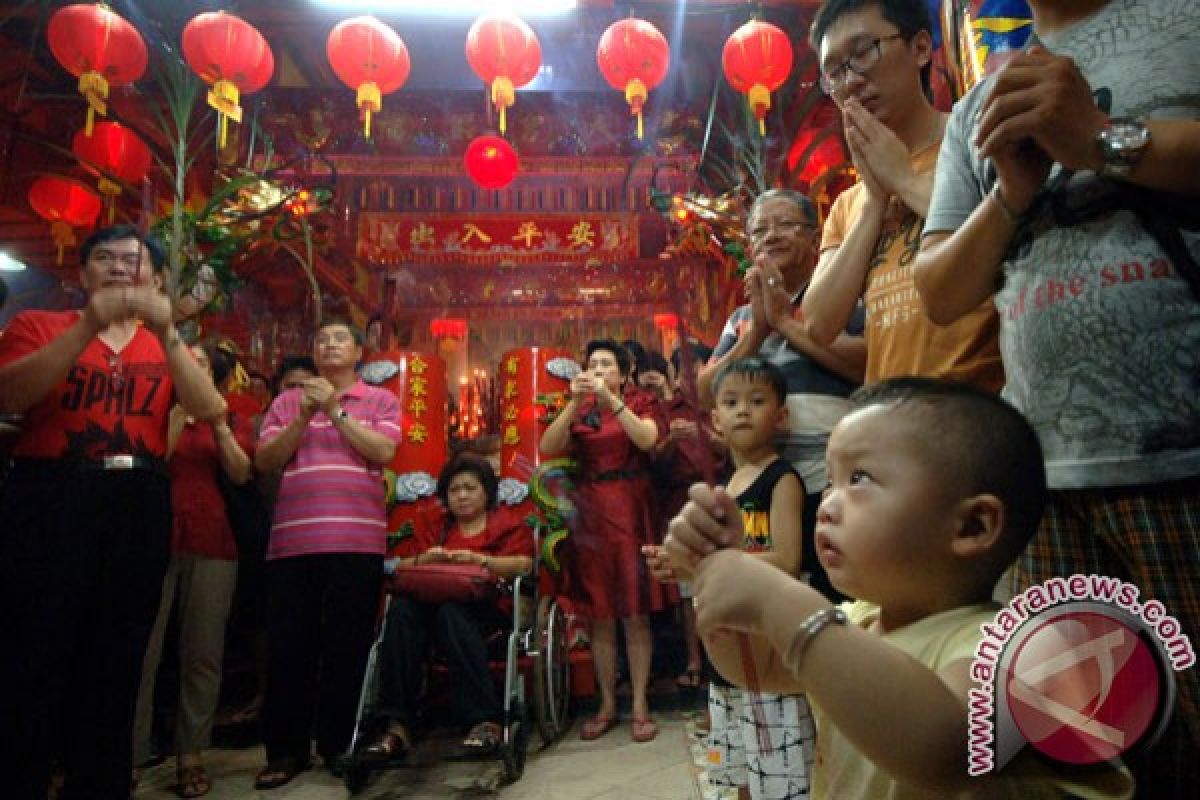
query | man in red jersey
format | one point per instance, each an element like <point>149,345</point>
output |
<point>86,513</point>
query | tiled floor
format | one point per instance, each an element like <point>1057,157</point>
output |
<point>611,768</point>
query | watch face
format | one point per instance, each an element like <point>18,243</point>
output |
<point>1127,134</point>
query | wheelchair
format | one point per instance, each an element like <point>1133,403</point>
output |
<point>537,679</point>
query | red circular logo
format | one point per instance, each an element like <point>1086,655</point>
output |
<point>1083,687</point>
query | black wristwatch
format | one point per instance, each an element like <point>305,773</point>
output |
<point>341,416</point>
<point>1122,141</point>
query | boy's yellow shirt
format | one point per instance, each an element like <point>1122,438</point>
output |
<point>936,641</point>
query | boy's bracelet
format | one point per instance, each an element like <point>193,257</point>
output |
<point>1002,202</point>
<point>808,630</point>
<point>617,411</point>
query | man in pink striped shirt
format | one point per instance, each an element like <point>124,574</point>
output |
<point>331,438</point>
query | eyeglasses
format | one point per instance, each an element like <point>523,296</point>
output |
<point>785,227</point>
<point>104,258</point>
<point>860,62</point>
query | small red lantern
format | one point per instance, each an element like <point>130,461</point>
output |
<point>666,322</point>
<point>757,59</point>
<point>99,47</point>
<point>448,328</point>
<point>112,150</point>
<point>66,204</point>
<point>230,55</point>
<point>491,162</point>
<point>369,57</point>
<point>633,56</point>
<point>504,52</point>
<point>819,156</point>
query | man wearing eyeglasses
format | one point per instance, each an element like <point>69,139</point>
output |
<point>86,517</point>
<point>875,60</point>
<point>1064,189</point>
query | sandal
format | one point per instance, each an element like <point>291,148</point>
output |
<point>392,746</point>
<point>597,726</point>
<point>690,680</point>
<point>279,772</point>
<point>483,741</point>
<point>192,781</point>
<point>644,729</point>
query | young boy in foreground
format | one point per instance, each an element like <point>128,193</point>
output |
<point>934,490</point>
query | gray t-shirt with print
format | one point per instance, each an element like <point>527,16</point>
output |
<point>1100,336</point>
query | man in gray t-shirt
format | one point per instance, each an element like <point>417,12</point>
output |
<point>1033,199</point>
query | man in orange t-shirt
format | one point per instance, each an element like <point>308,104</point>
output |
<point>875,61</point>
<point>87,516</point>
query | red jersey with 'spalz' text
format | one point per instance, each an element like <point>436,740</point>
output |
<point>109,403</point>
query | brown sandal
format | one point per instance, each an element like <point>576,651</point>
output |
<point>193,781</point>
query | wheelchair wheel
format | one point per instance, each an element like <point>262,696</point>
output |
<point>551,671</point>
<point>512,753</point>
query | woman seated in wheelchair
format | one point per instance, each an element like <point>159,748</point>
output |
<point>474,531</point>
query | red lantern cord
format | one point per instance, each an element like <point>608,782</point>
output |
<point>633,56</point>
<point>505,53</point>
<point>99,47</point>
<point>369,57</point>
<point>757,59</point>
<point>231,56</point>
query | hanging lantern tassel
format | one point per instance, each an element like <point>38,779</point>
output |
<point>636,94</point>
<point>370,99</point>
<point>94,87</point>
<point>64,237</point>
<point>110,191</point>
<point>224,98</point>
<point>503,96</point>
<point>760,101</point>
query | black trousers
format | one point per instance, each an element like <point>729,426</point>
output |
<point>321,612</point>
<point>82,559</point>
<point>460,631</point>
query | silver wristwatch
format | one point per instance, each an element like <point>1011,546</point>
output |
<point>1122,141</point>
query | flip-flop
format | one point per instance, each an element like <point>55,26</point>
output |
<point>644,729</point>
<point>690,680</point>
<point>483,741</point>
<point>193,781</point>
<point>596,726</point>
<point>277,773</point>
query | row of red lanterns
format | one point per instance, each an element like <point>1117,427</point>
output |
<point>103,49</point>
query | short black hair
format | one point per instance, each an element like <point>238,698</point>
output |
<point>701,353</point>
<point>115,233</point>
<point>652,361</point>
<point>290,363</point>
<point>756,370</point>
<point>477,466</point>
<point>342,322</point>
<point>909,16</point>
<point>982,440</point>
<point>798,199</point>
<point>222,359</point>
<point>624,361</point>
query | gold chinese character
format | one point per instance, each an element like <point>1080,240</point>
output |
<point>527,232</point>
<point>511,437</point>
<point>510,414</point>
<point>510,365</point>
<point>417,366</point>
<point>471,230</point>
<point>421,236</point>
<point>418,433</point>
<point>417,406</point>
<point>418,387</point>
<point>582,235</point>
<point>510,390</point>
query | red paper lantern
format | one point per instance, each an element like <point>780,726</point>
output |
<point>633,56</point>
<point>100,48</point>
<point>370,58</point>
<point>757,59</point>
<point>505,53</point>
<point>65,204</point>
<point>491,162</point>
<point>231,56</point>
<point>666,322</point>
<point>451,328</point>
<point>818,158</point>
<point>112,150</point>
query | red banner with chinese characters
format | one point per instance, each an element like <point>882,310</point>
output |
<point>495,239</point>
<point>532,384</point>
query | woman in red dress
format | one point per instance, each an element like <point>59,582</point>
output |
<point>610,433</point>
